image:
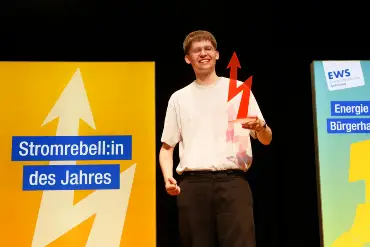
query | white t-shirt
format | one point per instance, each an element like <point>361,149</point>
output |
<point>198,118</point>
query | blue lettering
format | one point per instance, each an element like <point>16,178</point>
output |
<point>339,74</point>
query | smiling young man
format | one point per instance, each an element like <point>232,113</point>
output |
<point>213,197</point>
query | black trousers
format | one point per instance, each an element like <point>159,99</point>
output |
<point>215,210</point>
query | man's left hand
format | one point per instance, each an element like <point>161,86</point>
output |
<point>255,124</point>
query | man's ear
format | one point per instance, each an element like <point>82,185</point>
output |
<point>187,59</point>
<point>217,55</point>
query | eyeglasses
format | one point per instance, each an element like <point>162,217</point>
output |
<point>199,50</point>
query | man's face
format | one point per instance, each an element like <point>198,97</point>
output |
<point>202,56</point>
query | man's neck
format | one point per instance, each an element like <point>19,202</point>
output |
<point>207,79</point>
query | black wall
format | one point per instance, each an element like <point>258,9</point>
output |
<point>275,42</point>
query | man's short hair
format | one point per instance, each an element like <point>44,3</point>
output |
<point>199,35</point>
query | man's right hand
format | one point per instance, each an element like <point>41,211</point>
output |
<point>171,187</point>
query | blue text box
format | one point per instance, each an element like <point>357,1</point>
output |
<point>56,148</point>
<point>350,108</point>
<point>71,177</point>
<point>348,125</point>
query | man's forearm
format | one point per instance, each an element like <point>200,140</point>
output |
<point>166,162</point>
<point>265,135</point>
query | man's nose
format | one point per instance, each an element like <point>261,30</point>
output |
<point>202,52</point>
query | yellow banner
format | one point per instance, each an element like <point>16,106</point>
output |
<point>77,108</point>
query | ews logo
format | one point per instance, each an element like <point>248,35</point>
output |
<point>341,75</point>
<point>337,74</point>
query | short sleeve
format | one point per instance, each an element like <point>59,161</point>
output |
<point>254,110</point>
<point>171,132</point>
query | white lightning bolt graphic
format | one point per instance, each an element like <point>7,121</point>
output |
<point>57,215</point>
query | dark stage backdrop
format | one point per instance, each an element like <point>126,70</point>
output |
<point>284,187</point>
